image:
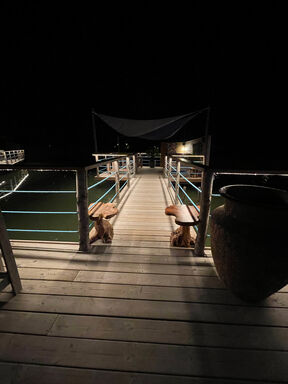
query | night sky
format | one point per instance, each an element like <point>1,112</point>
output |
<point>143,63</point>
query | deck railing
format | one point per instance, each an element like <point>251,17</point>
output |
<point>174,174</point>
<point>178,173</point>
<point>12,156</point>
<point>121,170</point>
<point>122,167</point>
<point>147,160</point>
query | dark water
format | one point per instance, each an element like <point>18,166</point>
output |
<point>59,202</point>
<point>216,201</point>
<point>45,202</point>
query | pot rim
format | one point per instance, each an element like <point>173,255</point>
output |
<point>226,193</point>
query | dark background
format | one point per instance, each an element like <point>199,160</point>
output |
<point>143,63</point>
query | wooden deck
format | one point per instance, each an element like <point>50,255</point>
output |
<point>141,219</point>
<point>136,311</point>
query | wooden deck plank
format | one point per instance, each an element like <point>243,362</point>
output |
<point>171,332</point>
<point>117,267</point>
<point>144,220</point>
<point>52,245</point>
<point>137,243</point>
<point>136,224</point>
<point>136,250</point>
<point>145,309</point>
<point>108,251</point>
<point>123,278</point>
<point>30,374</point>
<point>150,259</point>
<point>160,232</point>
<point>48,274</point>
<point>136,310</point>
<point>186,295</point>
<point>151,331</point>
<point>141,238</point>
<point>122,258</point>
<point>145,357</point>
<point>150,279</point>
<point>26,322</point>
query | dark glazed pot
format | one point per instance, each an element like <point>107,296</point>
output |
<point>249,240</point>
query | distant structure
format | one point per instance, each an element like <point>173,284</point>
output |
<point>12,157</point>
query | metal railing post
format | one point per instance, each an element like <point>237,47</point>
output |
<point>128,171</point>
<point>205,202</point>
<point>178,168</point>
<point>82,208</point>
<point>117,182</point>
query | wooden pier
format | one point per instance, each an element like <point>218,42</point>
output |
<point>136,311</point>
<point>141,219</point>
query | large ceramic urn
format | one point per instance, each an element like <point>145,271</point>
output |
<point>249,240</point>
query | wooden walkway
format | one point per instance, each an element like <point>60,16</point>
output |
<point>136,312</point>
<point>141,219</point>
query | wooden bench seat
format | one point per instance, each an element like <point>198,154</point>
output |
<point>107,210</point>
<point>185,216</point>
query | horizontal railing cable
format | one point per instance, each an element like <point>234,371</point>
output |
<point>101,181</point>
<point>44,212</point>
<point>189,198</point>
<point>41,230</point>
<point>24,191</point>
<point>126,170</point>
<point>178,194</point>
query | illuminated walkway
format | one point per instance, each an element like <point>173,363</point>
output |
<point>136,311</point>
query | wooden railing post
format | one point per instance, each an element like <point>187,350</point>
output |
<point>12,275</point>
<point>97,169</point>
<point>178,167</point>
<point>117,182</point>
<point>82,208</point>
<point>108,166</point>
<point>134,165</point>
<point>165,167</point>
<point>205,202</point>
<point>169,171</point>
<point>128,171</point>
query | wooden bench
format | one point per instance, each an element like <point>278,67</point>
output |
<point>108,210</point>
<point>100,213</point>
<point>186,216</point>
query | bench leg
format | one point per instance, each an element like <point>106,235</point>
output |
<point>182,237</point>
<point>102,230</point>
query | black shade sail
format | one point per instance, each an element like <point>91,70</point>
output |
<point>159,129</point>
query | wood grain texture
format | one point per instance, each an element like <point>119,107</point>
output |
<point>144,357</point>
<point>30,374</point>
<point>136,311</point>
<point>146,309</point>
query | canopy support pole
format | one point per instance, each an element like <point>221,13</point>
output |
<point>94,131</point>
<point>207,145</point>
